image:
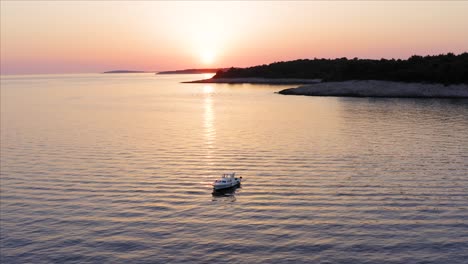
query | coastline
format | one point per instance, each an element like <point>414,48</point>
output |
<point>355,88</point>
<point>373,88</point>
<point>257,81</point>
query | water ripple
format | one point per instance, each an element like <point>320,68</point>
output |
<point>123,174</point>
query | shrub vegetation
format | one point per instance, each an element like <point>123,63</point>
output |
<point>445,68</point>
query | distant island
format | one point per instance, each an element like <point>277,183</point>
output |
<point>124,71</point>
<point>193,71</point>
<point>444,75</point>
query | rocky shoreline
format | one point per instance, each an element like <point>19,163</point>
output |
<point>355,88</point>
<point>372,88</point>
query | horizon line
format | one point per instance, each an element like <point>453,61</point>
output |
<point>195,68</point>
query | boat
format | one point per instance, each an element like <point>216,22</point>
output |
<point>228,180</point>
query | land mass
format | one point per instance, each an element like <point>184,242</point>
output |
<point>124,71</point>
<point>445,69</point>
<point>192,71</point>
<point>374,88</point>
<point>444,75</point>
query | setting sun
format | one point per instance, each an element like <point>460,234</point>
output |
<point>207,57</point>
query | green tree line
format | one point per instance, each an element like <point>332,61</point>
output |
<point>445,68</point>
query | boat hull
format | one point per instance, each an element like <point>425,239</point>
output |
<point>218,187</point>
<point>226,191</point>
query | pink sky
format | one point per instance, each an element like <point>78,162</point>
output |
<point>92,36</point>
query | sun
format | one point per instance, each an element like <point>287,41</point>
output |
<point>207,57</point>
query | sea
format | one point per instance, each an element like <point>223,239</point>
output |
<point>117,168</point>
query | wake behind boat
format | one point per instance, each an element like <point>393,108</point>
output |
<point>228,180</point>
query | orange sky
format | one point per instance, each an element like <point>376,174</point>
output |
<point>92,36</point>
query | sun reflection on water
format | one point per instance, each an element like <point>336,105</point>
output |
<point>208,75</point>
<point>208,89</point>
<point>208,121</point>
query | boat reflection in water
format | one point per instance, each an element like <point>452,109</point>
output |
<point>226,192</point>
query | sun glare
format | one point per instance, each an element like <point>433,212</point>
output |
<point>208,89</point>
<point>207,57</point>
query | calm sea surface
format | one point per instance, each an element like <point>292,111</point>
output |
<point>117,169</point>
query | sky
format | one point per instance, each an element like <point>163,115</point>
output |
<point>94,36</point>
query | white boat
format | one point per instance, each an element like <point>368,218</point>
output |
<point>228,180</point>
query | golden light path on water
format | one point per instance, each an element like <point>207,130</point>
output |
<point>208,122</point>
